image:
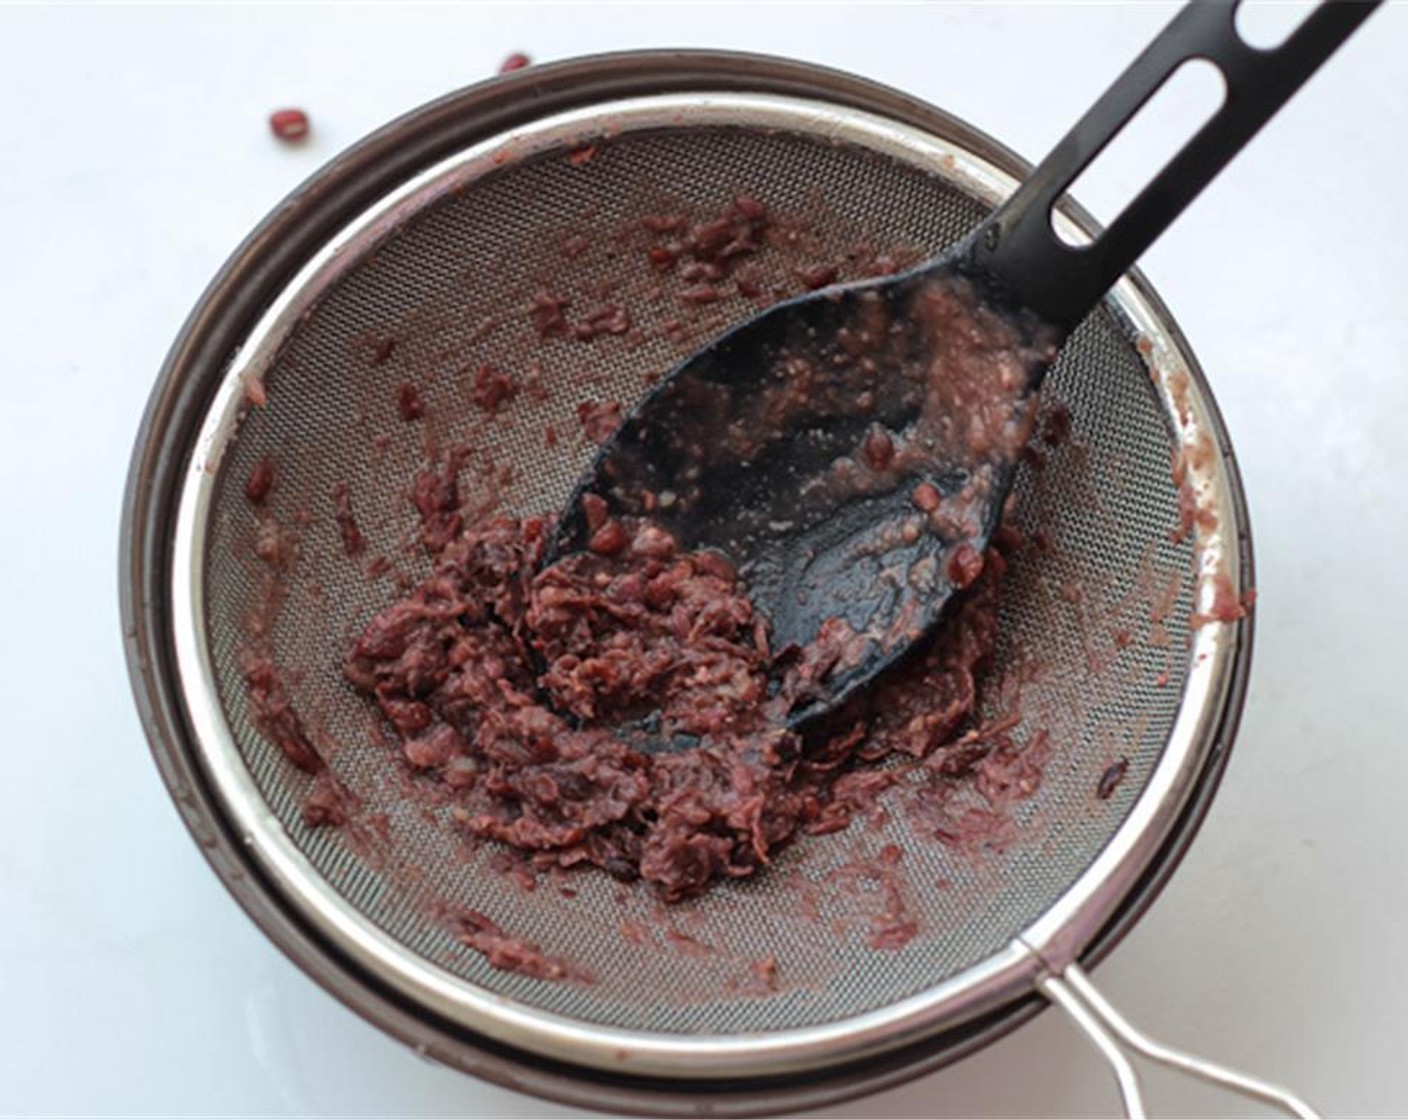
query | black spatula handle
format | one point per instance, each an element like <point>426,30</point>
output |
<point>1020,259</point>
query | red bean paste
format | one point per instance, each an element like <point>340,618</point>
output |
<point>516,685</point>
<point>515,954</point>
<point>533,694</point>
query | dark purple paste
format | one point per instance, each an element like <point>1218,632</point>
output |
<point>519,688</point>
<point>512,684</point>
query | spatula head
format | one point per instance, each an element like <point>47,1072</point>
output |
<point>848,451</point>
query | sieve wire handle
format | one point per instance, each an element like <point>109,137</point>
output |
<point>1111,1033</point>
<point>1017,256</point>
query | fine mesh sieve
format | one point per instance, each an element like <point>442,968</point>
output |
<point>1098,663</point>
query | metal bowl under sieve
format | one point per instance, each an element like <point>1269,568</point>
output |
<point>436,232</point>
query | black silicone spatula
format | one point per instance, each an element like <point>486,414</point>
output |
<point>851,450</point>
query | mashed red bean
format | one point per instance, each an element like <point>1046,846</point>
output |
<point>515,954</point>
<point>538,694</point>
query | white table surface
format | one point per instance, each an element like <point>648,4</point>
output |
<point>134,156</point>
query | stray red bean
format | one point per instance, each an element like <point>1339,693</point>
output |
<point>1111,778</point>
<point>1007,540</point>
<point>965,565</point>
<point>582,155</point>
<point>703,293</point>
<point>596,511</point>
<point>818,276</point>
<point>408,402</point>
<point>750,207</point>
<point>599,419</point>
<point>664,223</point>
<point>696,271</point>
<point>715,564</point>
<point>611,319</point>
<point>1057,427</point>
<point>516,61</point>
<point>879,448</point>
<point>353,543</point>
<point>549,314</point>
<point>260,482</point>
<point>609,539</point>
<point>492,387</point>
<point>289,124</point>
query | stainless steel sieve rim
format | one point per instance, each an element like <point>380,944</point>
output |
<point>290,234</point>
<point>1051,943</point>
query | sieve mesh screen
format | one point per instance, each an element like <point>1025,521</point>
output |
<point>1094,628</point>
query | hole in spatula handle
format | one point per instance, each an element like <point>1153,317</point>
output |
<point>1266,24</point>
<point>1159,130</point>
<point>1021,261</point>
